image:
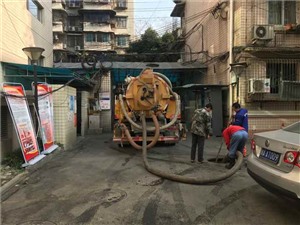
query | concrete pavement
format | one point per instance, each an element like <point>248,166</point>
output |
<point>99,183</point>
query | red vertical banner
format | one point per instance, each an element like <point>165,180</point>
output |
<point>19,110</point>
<point>46,116</point>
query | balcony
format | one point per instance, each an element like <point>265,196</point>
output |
<point>97,5</point>
<point>58,27</point>
<point>97,27</point>
<point>121,4</point>
<point>74,29</point>
<point>98,46</point>
<point>59,46</point>
<point>58,6</point>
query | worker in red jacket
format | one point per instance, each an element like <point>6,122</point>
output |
<point>235,139</point>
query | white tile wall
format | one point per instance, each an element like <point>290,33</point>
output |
<point>64,126</point>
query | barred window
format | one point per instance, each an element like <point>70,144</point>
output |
<point>278,72</point>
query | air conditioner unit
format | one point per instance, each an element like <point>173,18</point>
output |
<point>77,47</point>
<point>56,37</point>
<point>263,32</point>
<point>259,85</point>
<point>64,46</point>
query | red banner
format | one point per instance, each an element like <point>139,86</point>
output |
<point>46,115</point>
<point>18,106</point>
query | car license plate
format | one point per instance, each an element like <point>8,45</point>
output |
<point>269,155</point>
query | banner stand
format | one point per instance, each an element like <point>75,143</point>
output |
<point>50,149</point>
<point>33,161</point>
<point>19,110</point>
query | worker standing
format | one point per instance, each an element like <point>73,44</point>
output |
<point>240,119</point>
<point>235,139</point>
<point>200,129</point>
<point>241,116</point>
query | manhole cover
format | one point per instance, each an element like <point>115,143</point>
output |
<point>114,195</point>
<point>37,222</point>
<point>149,181</point>
<point>106,197</point>
<point>215,160</point>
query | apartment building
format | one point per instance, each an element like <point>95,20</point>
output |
<point>23,24</point>
<point>91,26</point>
<point>253,48</point>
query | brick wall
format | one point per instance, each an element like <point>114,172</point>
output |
<point>210,36</point>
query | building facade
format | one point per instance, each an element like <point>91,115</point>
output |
<point>24,23</point>
<point>252,47</point>
<point>91,26</point>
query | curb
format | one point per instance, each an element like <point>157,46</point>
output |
<point>11,186</point>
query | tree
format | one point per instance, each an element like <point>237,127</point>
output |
<point>150,42</point>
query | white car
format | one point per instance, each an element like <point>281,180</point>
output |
<point>275,160</point>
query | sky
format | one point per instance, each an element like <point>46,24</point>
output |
<point>152,13</point>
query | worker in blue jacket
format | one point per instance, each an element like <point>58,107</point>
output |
<point>241,116</point>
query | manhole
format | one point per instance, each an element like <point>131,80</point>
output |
<point>37,222</point>
<point>107,197</point>
<point>114,196</point>
<point>215,160</point>
<point>149,181</point>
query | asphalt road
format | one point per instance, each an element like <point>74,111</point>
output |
<point>100,183</point>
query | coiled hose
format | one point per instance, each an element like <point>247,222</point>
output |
<point>154,139</point>
<point>204,179</point>
<point>174,119</point>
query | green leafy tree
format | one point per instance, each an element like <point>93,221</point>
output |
<point>150,42</point>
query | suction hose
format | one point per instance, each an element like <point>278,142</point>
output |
<point>154,139</point>
<point>166,79</point>
<point>204,179</point>
<point>174,119</point>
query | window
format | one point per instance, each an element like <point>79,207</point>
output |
<point>97,18</point>
<point>90,37</point>
<point>103,37</point>
<point>278,72</point>
<point>121,3</point>
<point>122,41</point>
<point>35,8</point>
<point>74,3</point>
<point>121,22</point>
<point>97,37</point>
<point>282,12</point>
